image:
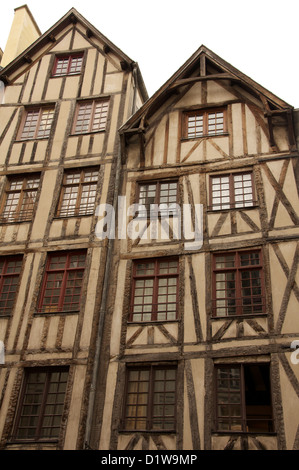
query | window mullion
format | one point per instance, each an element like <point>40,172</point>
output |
<point>79,194</point>
<point>21,192</point>
<point>63,284</point>
<point>92,114</point>
<point>243,398</point>
<point>43,406</point>
<point>40,113</point>
<point>231,191</point>
<point>150,406</point>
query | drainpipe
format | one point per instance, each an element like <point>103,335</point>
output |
<point>92,393</point>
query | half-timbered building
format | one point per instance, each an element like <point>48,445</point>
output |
<point>65,97</point>
<point>202,308</point>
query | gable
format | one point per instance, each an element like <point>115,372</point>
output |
<point>72,32</point>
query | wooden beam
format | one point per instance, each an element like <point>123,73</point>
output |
<point>202,65</point>
<point>215,76</point>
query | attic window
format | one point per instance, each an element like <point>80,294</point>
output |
<point>68,65</point>
<point>203,123</point>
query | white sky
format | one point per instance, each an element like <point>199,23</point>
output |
<point>260,37</point>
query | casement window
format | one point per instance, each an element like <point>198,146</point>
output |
<point>150,399</point>
<point>68,65</point>
<point>10,269</point>
<point>155,290</point>
<point>78,194</point>
<point>20,198</point>
<point>202,123</point>
<point>62,283</point>
<point>161,193</point>
<point>232,191</point>
<point>238,283</point>
<point>91,116</point>
<point>243,398</point>
<point>37,123</point>
<point>41,404</point>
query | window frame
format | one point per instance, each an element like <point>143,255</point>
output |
<point>29,371</point>
<point>40,111</point>
<point>245,417</point>
<point>16,216</point>
<point>69,57</point>
<point>154,304</point>
<point>13,275</point>
<point>80,185</point>
<point>158,184</point>
<point>91,117</point>
<point>232,196</point>
<point>149,417</point>
<point>54,308</point>
<point>204,112</point>
<point>239,297</point>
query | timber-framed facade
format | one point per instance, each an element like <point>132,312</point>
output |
<point>176,334</point>
<point>65,98</point>
<point>199,338</point>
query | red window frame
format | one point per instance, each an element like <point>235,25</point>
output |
<point>37,123</point>
<point>238,284</point>
<point>78,194</point>
<point>41,405</point>
<point>20,198</point>
<point>10,270</point>
<point>71,65</point>
<point>155,290</point>
<point>243,398</point>
<point>150,400</point>
<point>91,116</point>
<point>204,122</point>
<point>232,191</point>
<point>62,284</point>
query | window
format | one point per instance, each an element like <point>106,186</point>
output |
<point>20,198</point>
<point>68,65</point>
<point>155,290</point>
<point>91,116</point>
<point>232,191</point>
<point>78,193</point>
<point>42,402</point>
<point>238,286</point>
<point>10,269</point>
<point>204,123</point>
<point>160,193</point>
<point>243,398</point>
<point>62,284</point>
<point>37,123</point>
<point>150,399</point>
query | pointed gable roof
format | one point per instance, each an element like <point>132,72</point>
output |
<point>29,55</point>
<point>204,65</point>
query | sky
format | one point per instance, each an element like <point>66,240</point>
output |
<point>260,38</point>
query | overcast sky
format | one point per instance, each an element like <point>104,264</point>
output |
<point>260,37</point>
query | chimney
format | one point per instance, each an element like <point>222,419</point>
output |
<point>24,31</point>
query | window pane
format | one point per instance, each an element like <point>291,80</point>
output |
<point>32,410</point>
<point>20,199</point>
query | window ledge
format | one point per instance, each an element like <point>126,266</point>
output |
<point>243,433</point>
<point>147,431</point>
<point>246,208</point>
<point>14,222</point>
<point>72,134</point>
<point>59,312</point>
<point>246,315</point>
<point>75,216</point>
<point>207,136</point>
<point>151,322</point>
